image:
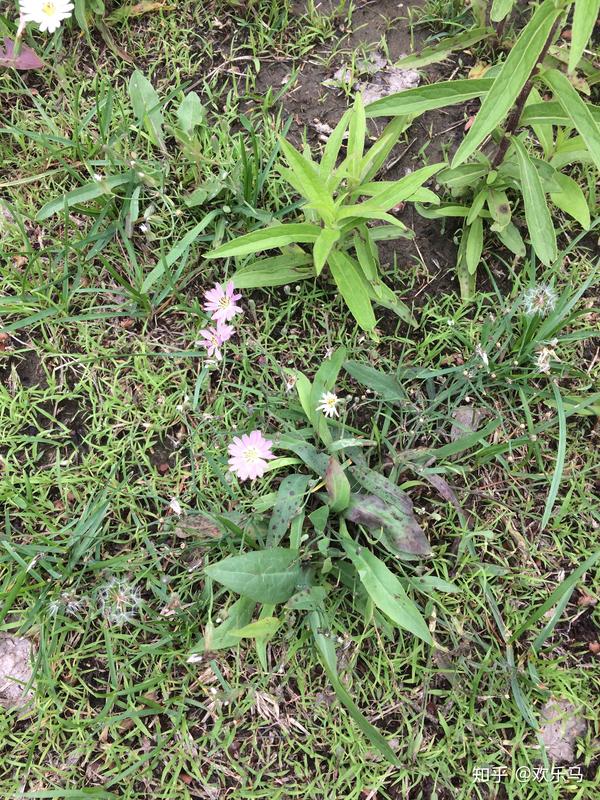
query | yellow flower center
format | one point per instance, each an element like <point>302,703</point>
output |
<point>224,302</point>
<point>49,8</point>
<point>251,454</point>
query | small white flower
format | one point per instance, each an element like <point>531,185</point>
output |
<point>175,506</point>
<point>48,14</point>
<point>290,382</point>
<point>328,404</point>
<point>482,355</point>
<point>539,299</point>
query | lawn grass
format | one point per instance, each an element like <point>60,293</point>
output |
<point>109,413</point>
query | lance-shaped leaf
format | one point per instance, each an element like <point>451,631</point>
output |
<point>578,112</point>
<point>395,525</point>
<point>85,193</point>
<point>274,271</point>
<point>584,18</point>
<point>474,244</point>
<point>308,181</point>
<point>146,107</point>
<point>337,485</point>
<point>386,591</point>
<point>267,576</point>
<point>288,505</point>
<point>571,200</point>
<point>220,637</point>
<point>349,280</point>
<point>426,98</point>
<point>501,9</point>
<point>537,213</point>
<point>268,239</point>
<point>327,238</point>
<point>441,51</point>
<point>513,75</point>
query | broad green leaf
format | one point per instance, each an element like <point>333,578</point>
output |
<point>571,151</point>
<point>386,591</point>
<point>267,576</point>
<point>238,615</point>
<point>322,247</point>
<point>347,277</point>
<point>320,625</point>
<point>577,110</point>
<point>537,214</point>
<point>512,239</point>
<point>400,190</point>
<point>309,182</point>
<point>376,156</point>
<point>386,233</point>
<point>585,17</point>
<point>445,210</point>
<point>314,460</point>
<point>426,98</point>
<point>263,628</point>
<point>146,107</point>
<point>357,130</point>
<point>550,112</point>
<point>190,113</point>
<point>441,51</point>
<point>474,244</point>
<point>268,239</point>
<point>334,143</point>
<point>477,204</point>
<point>289,504</point>
<point>337,485</point>
<point>499,207</point>
<point>501,9</point>
<point>543,130</point>
<point>89,191</point>
<point>274,271</point>
<point>382,383</point>
<point>571,200</point>
<point>513,75</point>
<point>464,176</point>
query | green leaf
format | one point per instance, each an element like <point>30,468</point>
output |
<point>560,457</point>
<point>266,576</point>
<point>332,148</point>
<point>543,130</point>
<point>263,628</point>
<point>319,624</point>
<point>499,207</point>
<point>537,214</point>
<point>394,525</point>
<point>585,17</point>
<point>399,190</point>
<point>551,112</point>
<point>464,176</point>
<point>382,383</point>
<point>513,75</point>
<point>146,107</point>
<point>289,504</point>
<point>501,9</point>
<point>357,130</point>
<point>274,271</point>
<point>347,277</point>
<point>308,182</point>
<point>577,111</point>
<point>477,204</point>
<point>89,191</point>
<point>190,113</point>
<point>268,239</point>
<point>322,247</point>
<point>426,98</point>
<point>337,485</point>
<point>376,156</point>
<point>474,245</point>
<point>512,239</point>
<point>571,200</point>
<point>441,51</point>
<point>386,591</point>
<point>238,615</point>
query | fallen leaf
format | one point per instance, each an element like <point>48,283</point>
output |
<point>467,419</point>
<point>137,9</point>
<point>198,526</point>
<point>395,525</point>
<point>15,671</point>
<point>26,59</point>
<point>561,727</point>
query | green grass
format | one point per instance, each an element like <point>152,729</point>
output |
<point>108,413</point>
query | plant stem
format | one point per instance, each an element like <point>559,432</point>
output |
<point>515,114</point>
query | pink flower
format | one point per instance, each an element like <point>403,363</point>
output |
<point>222,302</point>
<point>249,455</point>
<point>214,337</point>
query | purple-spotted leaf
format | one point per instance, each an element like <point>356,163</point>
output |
<point>25,59</point>
<point>395,524</point>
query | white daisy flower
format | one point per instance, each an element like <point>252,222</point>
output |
<point>48,14</point>
<point>328,404</point>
